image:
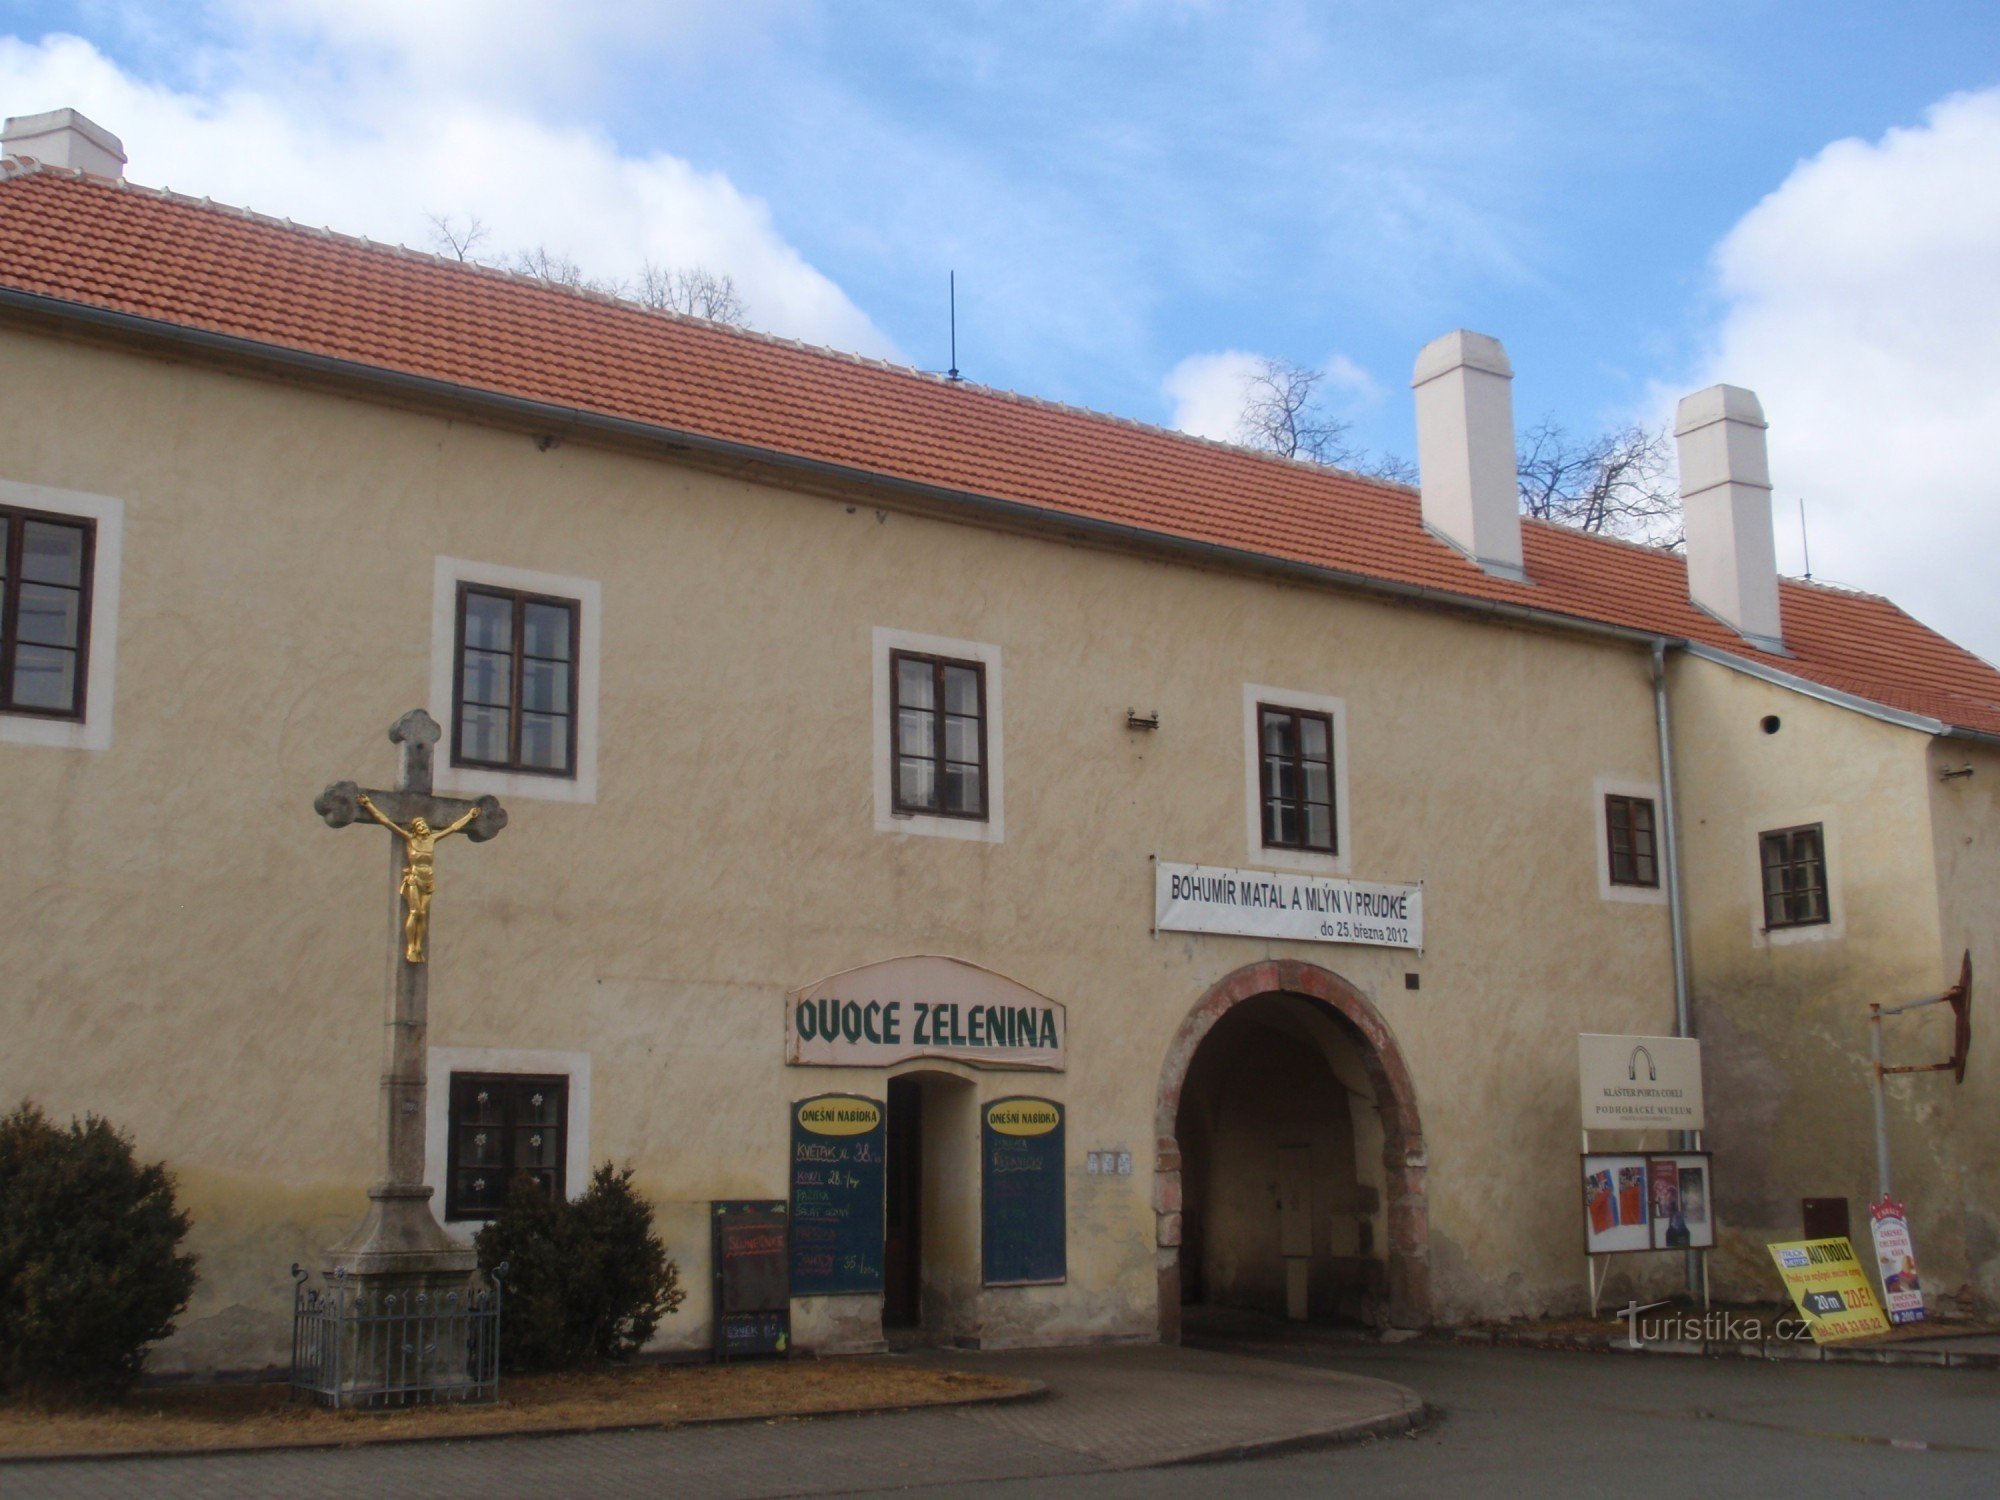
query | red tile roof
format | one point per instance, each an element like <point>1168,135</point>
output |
<point>132,250</point>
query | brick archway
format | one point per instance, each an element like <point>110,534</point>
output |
<point>1403,1158</point>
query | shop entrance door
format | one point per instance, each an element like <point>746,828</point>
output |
<point>902,1244</point>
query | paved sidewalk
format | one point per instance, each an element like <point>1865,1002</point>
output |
<point>1107,1409</point>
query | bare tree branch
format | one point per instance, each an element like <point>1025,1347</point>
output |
<point>449,237</point>
<point>1390,468</point>
<point>553,265</point>
<point>1619,483</point>
<point>1282,415</point>
<point>695,290</point>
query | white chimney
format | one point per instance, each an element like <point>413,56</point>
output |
<point>1465,449</point>
<point>1726,505</point>
<point>64,138</point>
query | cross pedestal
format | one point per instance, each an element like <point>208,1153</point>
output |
<point>398,1265</point>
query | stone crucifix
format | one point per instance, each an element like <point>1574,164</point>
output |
<point>400,1237</point>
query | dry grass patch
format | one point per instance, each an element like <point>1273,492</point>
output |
<point>202,1417</point>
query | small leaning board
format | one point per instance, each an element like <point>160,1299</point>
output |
<point>751,1254</point>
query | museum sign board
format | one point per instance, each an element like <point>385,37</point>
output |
<point>1640,1082</point>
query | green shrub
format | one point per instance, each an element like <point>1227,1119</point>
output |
<point>586,1280</point>
<point>90,1269</point>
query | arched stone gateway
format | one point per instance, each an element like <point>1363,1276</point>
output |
<point>1261,1004</point>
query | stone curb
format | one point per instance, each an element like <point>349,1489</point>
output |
<point>1031,1390</point>
<point>1772,1351</point>
<point>1418,1414</point>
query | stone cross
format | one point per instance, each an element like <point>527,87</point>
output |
<point>400,1237</point>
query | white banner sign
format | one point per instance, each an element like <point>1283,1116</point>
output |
<point>1896,1259</point>
<point>1261,903</point>
<point>1640,1082</point>
<point>922,1006</point>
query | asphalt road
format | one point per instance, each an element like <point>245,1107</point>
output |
<point>1517,1422</point>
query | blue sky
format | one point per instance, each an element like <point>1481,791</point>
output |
<point>1637,198</point>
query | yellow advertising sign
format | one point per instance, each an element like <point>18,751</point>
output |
<point>1023,1116</point>
<point>1830,1288</point>
<point>839,1114</point>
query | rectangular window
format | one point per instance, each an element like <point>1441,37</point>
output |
<point>503,1125</point>
<point>514,694</point>
<point>937,721</point>
<point>45,566</point>
<point>1296,758</point>
<point>1794,865</point>
<point>1631,841</point>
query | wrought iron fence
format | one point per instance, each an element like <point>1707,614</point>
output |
<point>361,1346</point>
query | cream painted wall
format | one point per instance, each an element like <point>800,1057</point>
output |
<point>1914,872</point>
<point>195,954</point>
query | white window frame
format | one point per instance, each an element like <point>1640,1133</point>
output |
<point>445,1061</point>
<point>1834,927</point>
<point>101,659</point>
<point>472,781</point>
<point>993,828</point>
<point>1339,863</point>
<point>1607,889</point>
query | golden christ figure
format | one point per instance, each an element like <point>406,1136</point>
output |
<point>420,842</point>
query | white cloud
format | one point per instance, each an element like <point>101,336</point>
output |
<point>1863,306</point>
<point>1207,392</point>
<point>372,155</point>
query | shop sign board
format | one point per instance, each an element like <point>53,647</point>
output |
<point>922,1006</point>
<point>1022,1170</point>
<point>839,1145</point>
<point>1640,1082</point>
<point>1308,908</point>
<point>1896,1260</point>
<point>1829,1288</point>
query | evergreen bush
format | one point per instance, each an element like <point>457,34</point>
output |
<point>90,1266</point>
<point>587,1280</point>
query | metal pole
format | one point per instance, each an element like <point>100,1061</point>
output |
<point>1670,864</point>
<point>1881,1105</point>
<point>1669,845</point>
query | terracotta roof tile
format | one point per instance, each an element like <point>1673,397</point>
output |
<point>133,250</point>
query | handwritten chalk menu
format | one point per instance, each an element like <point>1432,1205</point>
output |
<point>752,1261</point>
<point>838,1145</point>
<point>1021,1178</point>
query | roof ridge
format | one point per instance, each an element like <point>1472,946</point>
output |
<point>826,351</point>
<point>391,306</point>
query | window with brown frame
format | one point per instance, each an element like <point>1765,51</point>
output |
<point>937,712</point>
<point>44,613</point>
<point>514,693</point>
<point>1296,769</point>
<point>1794,866</point>
<point>1631,839</point>
<point>503,1125</point>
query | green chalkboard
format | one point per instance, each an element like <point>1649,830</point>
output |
<point>1025,1228</point>
<point>839,1143</point>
